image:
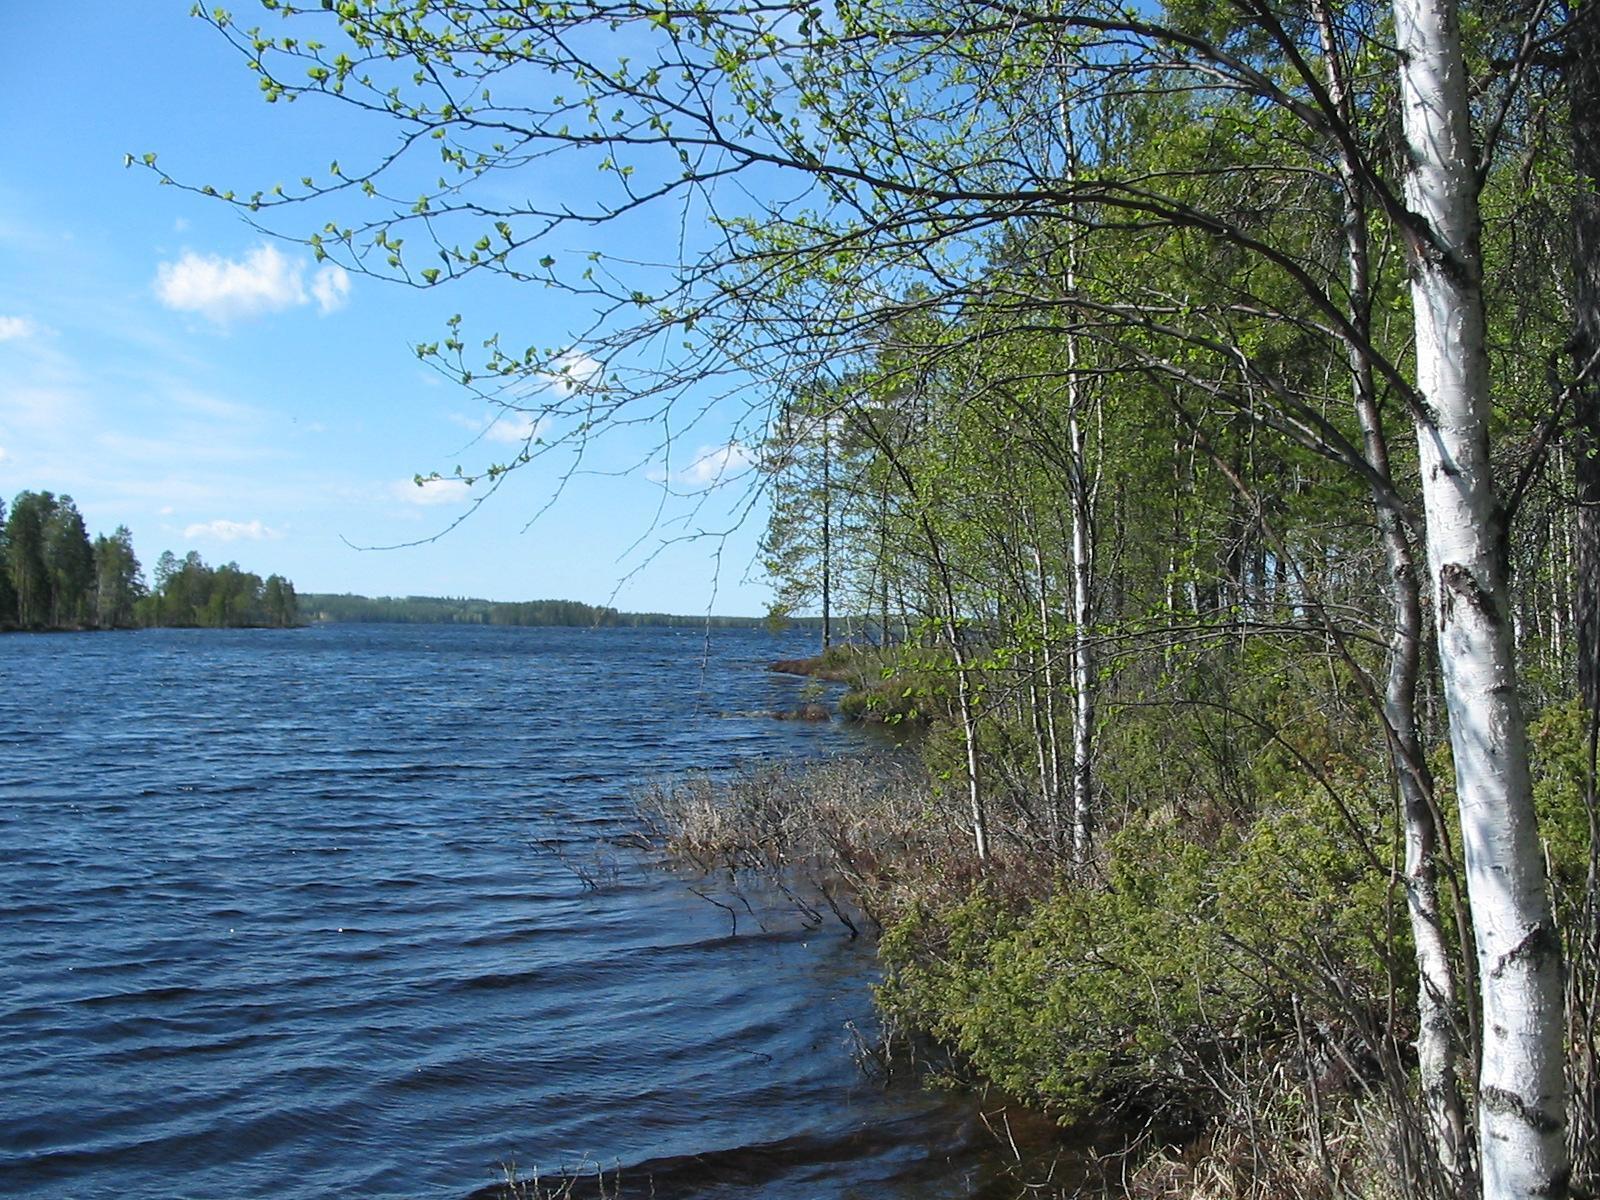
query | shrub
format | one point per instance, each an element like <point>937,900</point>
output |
<point>1121,991</point>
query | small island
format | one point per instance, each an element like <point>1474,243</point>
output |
<point>54,578</point>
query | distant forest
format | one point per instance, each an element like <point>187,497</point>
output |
<point>52,576</point>
<point>442,610</point>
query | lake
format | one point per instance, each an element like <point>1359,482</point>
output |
<point>360,911</point>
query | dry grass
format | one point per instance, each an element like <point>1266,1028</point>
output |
<point>877,836</point>
<point>869,832</point>
<point>1273,1151</point>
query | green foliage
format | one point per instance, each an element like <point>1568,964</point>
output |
<point>1559,740</point>
<point>191,594</point>
<point>1123,993</point>
<point>69,560</point>
<point>56,578</point>
<point>25,557</point>
<point>49,564</point>
<point>119,584</point>
<point>899,685</point>
<point>8,593</point>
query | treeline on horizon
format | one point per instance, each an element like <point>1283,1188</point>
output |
<point>52,576</point>
<point>345,608</point>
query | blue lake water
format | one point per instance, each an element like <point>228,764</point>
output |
<point>314,913</point>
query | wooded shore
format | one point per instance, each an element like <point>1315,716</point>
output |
<point>1217,987</point>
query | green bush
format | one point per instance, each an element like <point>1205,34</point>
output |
<point>1124,990</point>
<point>1559,740</point>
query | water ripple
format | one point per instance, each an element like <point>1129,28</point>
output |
<point>292,915</point>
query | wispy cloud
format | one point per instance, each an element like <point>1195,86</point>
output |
<point>507,425</point>
<point>48,409</point>
<point>574,372</point>
<point>16,329</point>
<point>264,281</point>
<point>515,428</point>
<point>330,287</point>
<point>431,491</point>
<point>231,531</point>
<point>713,464</point>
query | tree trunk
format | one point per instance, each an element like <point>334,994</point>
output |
<point>1045,707</point>
<point>827,539</point>
<point>1583,100</point>
<point>1083,669</point>
<point>969,735</point>
<point>1082,493</point>
<point>1583,103</point>
<point>1521,1092</point>
<point>1437,1055</point>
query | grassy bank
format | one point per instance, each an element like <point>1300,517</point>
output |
<point>1108,1002</point>
<point>887,686</point>
<point>1229,983</point>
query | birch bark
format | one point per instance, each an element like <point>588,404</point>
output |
<point>1082,496</point>
<point>1521,1091</point>
<point>1437,1055</point>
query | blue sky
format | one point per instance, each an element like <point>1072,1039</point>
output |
<point>179,372</point>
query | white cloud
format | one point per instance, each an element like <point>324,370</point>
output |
<point>3,454</point>
<point>331,287</point>
<point>508,425</point>
<point>224,289</point>
<point>514,428</point>
<point>432,491</point>
<point>264,281</point>
<point>44,410</point>
<point>166,510</point>
<point>206,404</point>
<point>715,463</point>
<point>573,371</point>
<point>15,329</point>
<point>231,531</point>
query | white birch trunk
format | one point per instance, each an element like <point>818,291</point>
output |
<point>1521,1092</point>
<point>969,735</point>
<point>964,703</point>
<point>1083,680</point>
<point>1437,1055</point>
<point>1045,705</point>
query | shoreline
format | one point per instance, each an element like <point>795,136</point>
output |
<point>66,629</point>
<point>1004,968</point>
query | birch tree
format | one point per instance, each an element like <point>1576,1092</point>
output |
<point>118,583</point>
<point>1437,1050</point>
<point>1521,1087</point>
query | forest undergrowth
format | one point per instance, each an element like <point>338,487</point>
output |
<point>1226,986</point>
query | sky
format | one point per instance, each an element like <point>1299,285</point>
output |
<point>178,371</point>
